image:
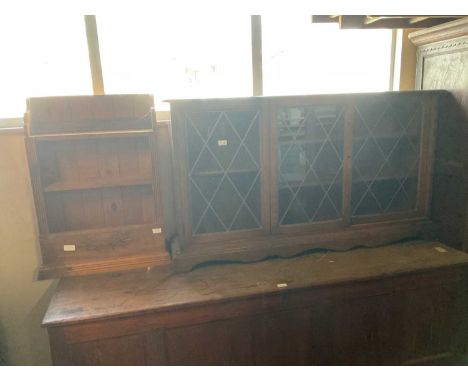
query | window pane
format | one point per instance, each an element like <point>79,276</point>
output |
<point>176,57</point>
<point>304,58</point>
<point>41,56</point>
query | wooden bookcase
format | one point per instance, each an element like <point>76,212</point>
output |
<point>268,176</point>
<point>93,167</point>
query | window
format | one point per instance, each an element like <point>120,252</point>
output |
<point>176,57</point>
<point>41,56</point>
<point>186,57</point>
<point>304,58</point>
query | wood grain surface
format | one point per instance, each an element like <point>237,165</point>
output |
<point>91,298</point>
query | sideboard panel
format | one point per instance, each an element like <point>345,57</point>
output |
<point>225,342</point>
<point>122,351</point>
<point>442,63</point>
<point>418,319</point>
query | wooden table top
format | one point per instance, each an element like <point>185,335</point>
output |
<point>90,298</point>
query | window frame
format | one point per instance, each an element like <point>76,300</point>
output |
<point>9,124</point>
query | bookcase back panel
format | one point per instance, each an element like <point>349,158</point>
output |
<point>310,163</point>
<point>99,208</point>
<point>224,170</point>
<point>386,155</point>
<point>97,161</point>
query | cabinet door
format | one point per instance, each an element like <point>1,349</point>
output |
<point>392,156</point>
<point>308,165</point>
<point>223,179</point>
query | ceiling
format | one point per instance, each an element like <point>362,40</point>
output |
<point>389,22</point>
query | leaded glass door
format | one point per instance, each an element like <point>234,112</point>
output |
<point>308,160</point>
<point>224,177</point>
<point>386,160</point>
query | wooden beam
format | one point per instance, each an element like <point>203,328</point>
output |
<point>372,19</point>
<point>418,19</point>
<point>352,21</point>
<point>408,62</point>
<point>324,19</point>
<point>383,21</point>
<point>392,60</point>
<point>94,54</point>
<point>257,65</point>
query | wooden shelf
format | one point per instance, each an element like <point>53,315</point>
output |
<point>385,136</point>
<point>92,134</point>
<point>356,138</point>
<point>61,268</point>
<point>384,177</point>
<point>305,141</point>
<point>297,183</point>
<point>101,230</point>
<point>220,172</point>
<point>339,181</point>
<point>90,184</point>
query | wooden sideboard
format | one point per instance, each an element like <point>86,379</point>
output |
<point>404,303</point>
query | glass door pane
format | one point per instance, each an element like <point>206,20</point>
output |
<point>224,170</point>
<point>310,163</point>
<point>386,149</point>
